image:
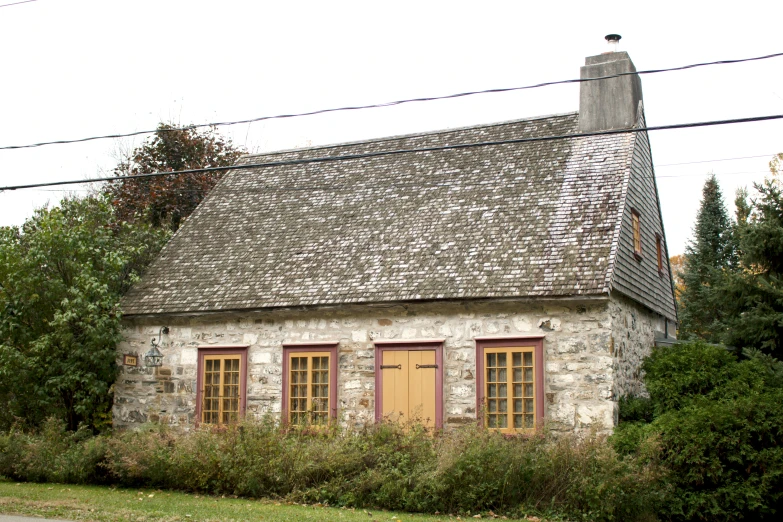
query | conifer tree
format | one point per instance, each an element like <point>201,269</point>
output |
<point>707,257</point>
<point>753,294</point>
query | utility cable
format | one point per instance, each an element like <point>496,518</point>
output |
<point>459,146</point>
<point>386,104</point>
<point>17,3</point>
<point>715,160</point>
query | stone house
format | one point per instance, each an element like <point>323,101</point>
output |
<point>490,272</point>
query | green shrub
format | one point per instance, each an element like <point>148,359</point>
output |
<point>53,454</point>
<point>385,465</point>
<point>717,429</point>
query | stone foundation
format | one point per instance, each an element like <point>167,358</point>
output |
<point>593,349</point>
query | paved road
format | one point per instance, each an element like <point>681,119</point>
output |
<point>10,518</point>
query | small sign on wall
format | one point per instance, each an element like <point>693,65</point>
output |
<point>130,360</point>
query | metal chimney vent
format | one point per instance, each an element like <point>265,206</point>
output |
<point>613,40</point>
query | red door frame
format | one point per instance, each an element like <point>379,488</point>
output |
<point>410,345</point>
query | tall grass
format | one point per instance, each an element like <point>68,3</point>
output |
<point>469,470</point>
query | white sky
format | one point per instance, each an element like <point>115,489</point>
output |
<point>76,68</point>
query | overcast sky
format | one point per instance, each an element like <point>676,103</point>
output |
<point>76,68</point>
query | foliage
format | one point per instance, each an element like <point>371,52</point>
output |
<point>717,426</point>
<point>165,201</point>
<point>753,295</point>
<point>677,264</point>
<point>468,470</point>
<point>61,276</point>
<point>707,256</point>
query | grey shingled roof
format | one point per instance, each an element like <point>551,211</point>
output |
<point>531,219</point>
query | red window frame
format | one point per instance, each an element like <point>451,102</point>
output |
<point>659,252</point>
<point>222,350</point>
<point>537,341</point>
<point>326,347</point>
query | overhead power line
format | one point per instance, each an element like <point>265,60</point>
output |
<point>716,160</point>
<point>17,3</point>
<point>385,104</point>
<point>458,146</point>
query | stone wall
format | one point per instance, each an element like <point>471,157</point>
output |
<point>633,337</point>
<point>585,366</point>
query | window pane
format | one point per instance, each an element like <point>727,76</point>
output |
<point>516,387</point>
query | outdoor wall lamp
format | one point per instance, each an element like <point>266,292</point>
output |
<point>153,357</point>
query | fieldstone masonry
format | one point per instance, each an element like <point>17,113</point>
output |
<point>593,351</point>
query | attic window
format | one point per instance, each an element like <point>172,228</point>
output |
<point>636,221</point>
<point>659,253</point>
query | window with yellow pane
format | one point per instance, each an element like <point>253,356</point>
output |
<point>309,384</point>
<point>221,385</point>
<point>510,383</point>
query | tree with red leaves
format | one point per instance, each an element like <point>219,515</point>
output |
<point>165,201</point>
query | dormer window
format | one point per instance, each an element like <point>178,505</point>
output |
<point>636,222</point>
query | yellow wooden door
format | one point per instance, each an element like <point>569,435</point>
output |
<point>409,386</point>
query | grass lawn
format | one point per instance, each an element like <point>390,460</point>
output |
<point>116,504</point>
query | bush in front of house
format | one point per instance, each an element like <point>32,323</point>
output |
<point>469,470</point>
<point>715,421</point>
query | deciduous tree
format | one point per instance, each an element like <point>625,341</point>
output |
<point>61,277</point>
<point>167,200</point>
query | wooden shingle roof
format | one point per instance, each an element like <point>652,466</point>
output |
<point>529,219</point>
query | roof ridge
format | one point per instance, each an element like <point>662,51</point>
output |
<point>409,135</point>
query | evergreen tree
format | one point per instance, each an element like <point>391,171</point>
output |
<point>707,257</point>
<point>753,294</point>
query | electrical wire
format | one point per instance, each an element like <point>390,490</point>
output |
<point>364,155</point>
<point>17,3</point>
<point>716,160</point>
<point>387,104</point>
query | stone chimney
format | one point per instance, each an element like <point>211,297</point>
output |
<point>612,103</point>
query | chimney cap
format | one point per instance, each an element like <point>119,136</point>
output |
<point>612,38</point>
